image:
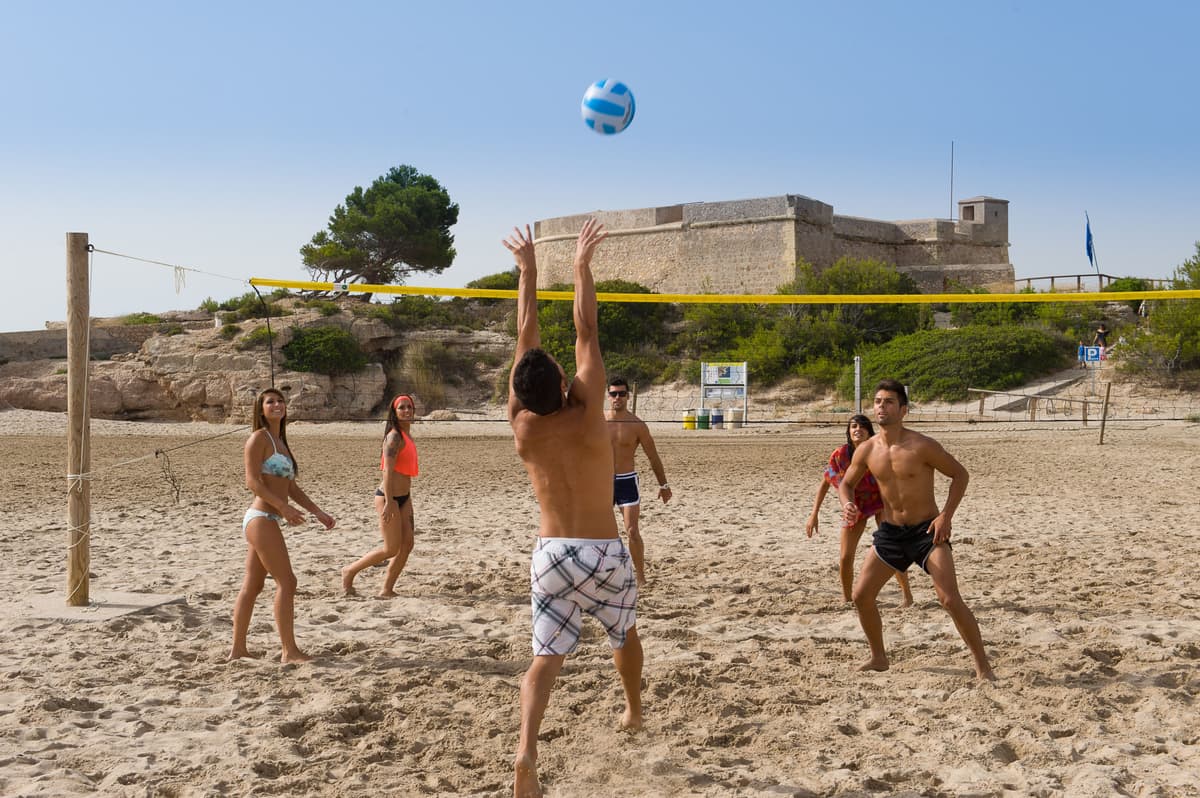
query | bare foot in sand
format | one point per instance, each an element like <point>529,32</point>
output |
<point>985,674</point>
<point>348,582</point>
<point>385,594</point>
<point>294,658</point>
<point>907,601</point>
<point>525,780</point>
<point>240,653</point>
<point>631,722</point>
<point>875,664</point>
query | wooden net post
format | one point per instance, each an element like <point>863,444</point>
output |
<point>1104,411</point>
<point>79,504</point>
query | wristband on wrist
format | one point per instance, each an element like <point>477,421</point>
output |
<point>664,487</point>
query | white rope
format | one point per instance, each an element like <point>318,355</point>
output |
<point>178,269</point>
<point>180,279</point>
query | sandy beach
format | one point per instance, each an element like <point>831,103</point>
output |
<point>1078,560</point>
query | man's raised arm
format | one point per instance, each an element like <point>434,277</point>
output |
<point>589,364</point>
<point>521,246</point>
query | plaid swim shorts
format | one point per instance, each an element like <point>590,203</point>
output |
<point>570,576</point>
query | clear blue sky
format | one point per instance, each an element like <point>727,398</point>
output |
<point>221,135</point>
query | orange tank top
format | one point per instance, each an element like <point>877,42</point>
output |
<point>406,458</point>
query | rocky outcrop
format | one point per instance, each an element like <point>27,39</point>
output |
<point>199,375</point>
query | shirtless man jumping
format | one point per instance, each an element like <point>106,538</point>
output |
<point>579,564</point>
<point>628,432</point>
<point>913,528</point>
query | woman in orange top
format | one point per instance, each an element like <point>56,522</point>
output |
<point>392,501</point>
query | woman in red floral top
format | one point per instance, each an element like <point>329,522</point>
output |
<point>866,496</point>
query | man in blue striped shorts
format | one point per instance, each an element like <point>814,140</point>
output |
<point>580,564</point>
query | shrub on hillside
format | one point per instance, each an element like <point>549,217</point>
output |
<point>324,350</point>
<point>943,364</point>
<point>260,336</point>
<point>1129,284</point>
<point>503,281</point>
<point>413,312</point>
<point>249,306</point>
<point>134,319</point>
<point>990,313</point>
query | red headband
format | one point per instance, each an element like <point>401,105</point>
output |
<point>396,401</point>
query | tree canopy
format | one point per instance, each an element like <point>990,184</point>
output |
<point>399,225</point>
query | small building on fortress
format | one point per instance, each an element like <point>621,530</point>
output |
<point>752,246</point>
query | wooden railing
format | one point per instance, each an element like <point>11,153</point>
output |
<point>1047,403</point>
<point>1078,283</point>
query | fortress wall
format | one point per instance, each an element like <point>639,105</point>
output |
<point>852,227</point>
<point>752,258</point>
<point>751,246</point>
<point>648,257</point>
<point>865,250</point>
<point>738,210</point>
<point>995,277</point>
<point>928,229</point>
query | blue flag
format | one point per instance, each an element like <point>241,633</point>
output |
<point>1091,249</point>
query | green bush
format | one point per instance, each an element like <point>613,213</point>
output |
<point>1129,284</point>
<point>942,364</point>
<point>990,313</point>
<point>210,305</point>
<point>173,329</point>
<point>230,331</point>
<point>249,306</point>
<point>503,281</point>
<point>1075,320</point>
<point>1168,346</point>
<point>413,312</point>
<point>254,339</point>
<point>141,318</point>
<point>326,307</point>
<point>324,350</point>
<point>822,371</point>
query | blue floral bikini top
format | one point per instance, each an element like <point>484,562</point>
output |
<point>278,465</point>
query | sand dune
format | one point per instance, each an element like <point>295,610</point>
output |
<point>1078,559</point>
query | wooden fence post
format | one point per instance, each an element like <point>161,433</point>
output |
<point>79,502</point>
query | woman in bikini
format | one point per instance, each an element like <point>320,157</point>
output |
<point>271,477</point>
<point>392,501</point>
<point>866,496</point>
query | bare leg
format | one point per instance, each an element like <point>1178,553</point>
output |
<point>266,541</point>
<point>902,580</point>
<point>847,577</point>
<point>390,532</point>
<point>874,575</point>
<point>243,607</point>
<point>637,548</point>
<point>849,545</point>
<point>945,582</point>
<point>628,659</point>
<point>535,696</point>
<point>400,558</point>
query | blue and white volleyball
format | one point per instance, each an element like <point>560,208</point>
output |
<point>607,107</point>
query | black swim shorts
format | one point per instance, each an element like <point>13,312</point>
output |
<point>899,546</point>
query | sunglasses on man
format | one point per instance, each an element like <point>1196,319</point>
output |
<point>618,394</point>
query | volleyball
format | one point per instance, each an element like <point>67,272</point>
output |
<point>607,107</point>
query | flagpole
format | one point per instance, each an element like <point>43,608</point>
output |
<point>1090,248</point>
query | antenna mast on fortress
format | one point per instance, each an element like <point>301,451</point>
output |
<point>952,178</point>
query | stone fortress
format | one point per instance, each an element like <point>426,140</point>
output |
<point>752,246</point>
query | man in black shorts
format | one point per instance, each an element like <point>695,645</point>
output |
<point>914,530</point>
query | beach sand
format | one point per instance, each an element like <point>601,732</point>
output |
<point>1078,559</point>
